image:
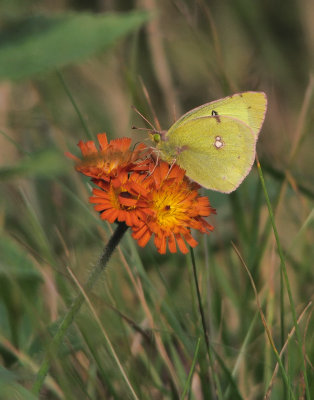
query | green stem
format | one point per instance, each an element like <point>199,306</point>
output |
<point>282,313</point>
<point>269,335</point>
<point>188,382</point>
<point>205,330</point>
<point>75,307</point>
<point>239,216</point>
<point>286,279</point>
<point>68,92</point>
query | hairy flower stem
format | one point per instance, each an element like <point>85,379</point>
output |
<point>75,307</point>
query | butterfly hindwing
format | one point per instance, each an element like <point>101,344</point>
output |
<point>216,151</point>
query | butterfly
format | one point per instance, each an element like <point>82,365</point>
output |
<point>215,143</point>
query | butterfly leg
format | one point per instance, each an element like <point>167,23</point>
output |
<point>156,161</point>
<point>171,166</point>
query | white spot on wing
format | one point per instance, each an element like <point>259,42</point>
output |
<point>219,143</point>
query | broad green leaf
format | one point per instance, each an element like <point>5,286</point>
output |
<point>42,43</point>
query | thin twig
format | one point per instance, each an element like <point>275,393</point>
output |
<point>159,59</point>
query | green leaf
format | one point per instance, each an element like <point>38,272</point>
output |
<point>10,389</point>
<point>42,43</point>
<point>47,163</point>
<point>15,391</point>
<point>14,260</point>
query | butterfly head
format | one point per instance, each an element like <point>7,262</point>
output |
<point>157,136</point>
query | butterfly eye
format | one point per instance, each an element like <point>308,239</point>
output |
<point>214,113</point>
<point>156,137</point>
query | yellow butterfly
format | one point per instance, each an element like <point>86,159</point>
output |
<point>215,143</point>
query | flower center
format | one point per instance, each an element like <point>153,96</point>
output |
<point>169,208</point>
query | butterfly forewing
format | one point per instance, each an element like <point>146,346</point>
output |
<point>248,107</point>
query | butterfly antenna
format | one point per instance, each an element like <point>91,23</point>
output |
<point>141,129</point>
<point>146,94</point>
<point>145,119</point>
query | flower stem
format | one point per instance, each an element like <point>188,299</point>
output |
<point>75,307</point>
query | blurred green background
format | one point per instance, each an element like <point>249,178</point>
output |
<point>58,57</point>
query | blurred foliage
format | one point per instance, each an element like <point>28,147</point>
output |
<point>187,53</point>
<point>43,43</point>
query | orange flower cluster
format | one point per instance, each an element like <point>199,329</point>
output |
<point>151,197</point>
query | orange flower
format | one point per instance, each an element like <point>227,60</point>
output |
<point>118,200</point>
<point>111,158</point>
<point>153,199</point>
<point>172,207</point>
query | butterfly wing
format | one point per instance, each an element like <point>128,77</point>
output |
<point>248,107</point>
<point>217,152</point>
